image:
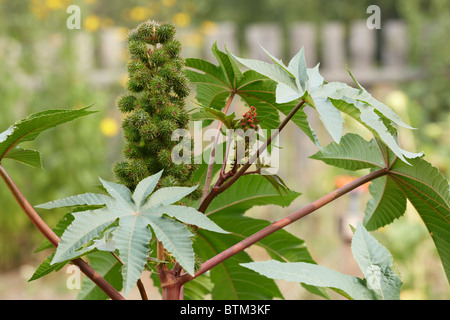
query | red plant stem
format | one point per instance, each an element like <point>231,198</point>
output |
<point>171,287</point>
<point>214,261</point>
<point>54,239</point>
<point>213,150</point>
<point>221,185</point>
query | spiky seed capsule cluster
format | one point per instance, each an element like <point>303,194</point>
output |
<point>154,107</point>
<point>250,120</point>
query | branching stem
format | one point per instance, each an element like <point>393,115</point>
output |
<point>221,185</point>
<point>284,222</point>
<point>214,147</point>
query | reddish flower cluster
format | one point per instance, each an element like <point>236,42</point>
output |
<point>249,119</point>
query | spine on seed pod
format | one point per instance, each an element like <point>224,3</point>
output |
<point>154,107</point>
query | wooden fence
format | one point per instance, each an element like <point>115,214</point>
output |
<point>372,55</point>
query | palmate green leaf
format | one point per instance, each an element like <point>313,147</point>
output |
<point>166,196</point>
<point>26,156</point>
<point>352,153</point>
<point>376,117</point>
<point>62,225</point>
<point>29,128</point>
<point>273,71</point>
<point>297,66</point>
<point>205,113</point>
<point>314,275</point>
<point>256,92</point>
<point>198,288</point>
<point>428,191</point>
<point>228,65</point>
<point>330,117</point>
<point>85,199</point>
<point>215,83</point>
<point>136,222</point>
<point>365,96</point>
<point>330,99</point>
<point>259,91</point>
<point>249,191</point>
<point>374,260</point>
<point>420,183</point>
<point>298,70</point>
<point>287,93</point>
<point>145,188</point>
<point>46,267</point>
<point>388,203</point>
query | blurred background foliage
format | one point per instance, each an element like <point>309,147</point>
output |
<point>75,154</point>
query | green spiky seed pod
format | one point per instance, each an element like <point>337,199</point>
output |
<point>164,157</point>
<point>168,181</point>
<point>146,32</point>
<point>158,57</point>
<point>127,103</point>
<point>166,127</point>
<point>123,173</point>
<point>165,32</point>
<point>154,107</point>
<point>138,50</point>
<point>149,131</point>
<point>173,48</point>
<point>135,85</point>
<point>138,170</point>
<point>135,66</point>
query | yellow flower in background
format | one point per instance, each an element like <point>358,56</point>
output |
<point>192,39</point>
<point>91,23</point>
<point>55,4</point>
<point>42,8</point>
<point>109,127</point>
<point>140,13</point>
<point>123,33</point>
<point>123,80</point>
<point>39,9</point>
<point>107,23</point>
<point>169,3</point>
<point>181,19</point>
<point>209,28</point>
